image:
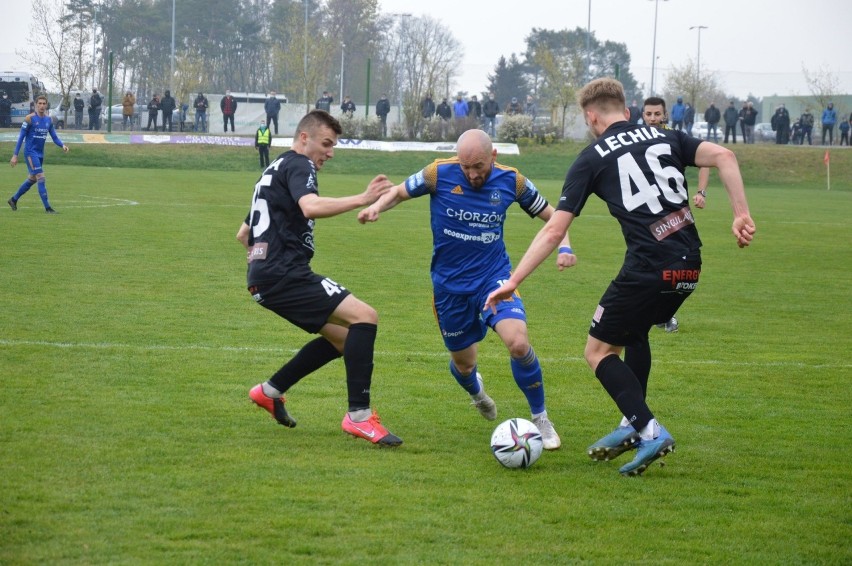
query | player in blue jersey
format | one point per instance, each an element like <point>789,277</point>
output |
<point>34,130</point>
<point>469,196</point>
<point>638,171</point>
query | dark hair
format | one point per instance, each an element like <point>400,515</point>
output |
<point>654,101</point>
<point>316,118</point>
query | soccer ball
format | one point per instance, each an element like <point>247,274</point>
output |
<point>516,443</point>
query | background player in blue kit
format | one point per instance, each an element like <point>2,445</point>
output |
<point>663,260</point>
<point>34,132</point>
<point>470,195</point>
<point>279,237</point>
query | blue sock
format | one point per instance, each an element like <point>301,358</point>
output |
<point>468,382</point>
<point>42,192</point>
<point>23,189</point>
<point>528,376</point>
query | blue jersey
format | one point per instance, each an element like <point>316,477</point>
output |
<point>34,130</point>
<point>467,223</point>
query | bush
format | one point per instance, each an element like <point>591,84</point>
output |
<point>371,128</point>
<point>399,132</point>
<point>431,131</point>
<point>350,127</point>
<point>515,127</point>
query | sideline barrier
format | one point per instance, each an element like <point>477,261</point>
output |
<point>208,139</point>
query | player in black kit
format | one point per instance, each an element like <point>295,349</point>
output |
<point>278,235</point>
<point>638,171</point>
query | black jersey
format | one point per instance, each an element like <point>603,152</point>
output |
<point>281,239</point>
<point>638,171</point>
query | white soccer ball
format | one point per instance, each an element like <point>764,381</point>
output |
<point>516,443</point>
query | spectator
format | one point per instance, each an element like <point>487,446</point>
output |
<point>182,116</point>
<point>806,120</point>
<point>324,102</point>
<point>781,125</point>
<point>712,116</point>
<point>749,119</point>
<point>167,106</point>
<point>844,132</point>
<point>79,105</point>
<point>796,133</point>
<point>262,141</point>
<point>228,106</point>
<point>530,108</point>
<point>514,107</point>
<point>272,107</point>
<point>689,118</point>
<point>153,110</point>
<point>490,110</point>
<point>427,107</point>
<point>6,111</point>
<point>201,105</point>
<point>382,111</point>
<point>741,120</point>
<point>829,118</point>
<point>475,109</point>
<point>460,108</point>
<point>347,107</point>
<point>635,112</point>
<point>678,111</point>
<point>444,112</point>
<point>95,103</point>
<point>732,117</point>
<point>128,109</point>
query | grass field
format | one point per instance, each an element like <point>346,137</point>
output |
<point>128,344</point>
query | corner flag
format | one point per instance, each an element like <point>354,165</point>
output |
<point>827,160</point>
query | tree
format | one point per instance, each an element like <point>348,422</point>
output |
<point>561,78</point>
<point>508,81</point>
<point>52,49</point>
<point>419,57</point>
<point>355,26</point>
<point>823,84</point>
<point>568,48</point>
<point>698,90</point>
<point>78,19</point>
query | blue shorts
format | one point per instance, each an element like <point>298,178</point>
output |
<point>33,164</point>
<point>463,322</point>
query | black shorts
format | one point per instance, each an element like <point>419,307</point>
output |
<point>636,300</point>
<point>306,301</point>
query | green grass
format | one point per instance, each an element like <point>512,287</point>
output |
<point>128,344</point>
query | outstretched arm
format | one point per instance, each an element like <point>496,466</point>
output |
<point>713,155</point>
<point>315,206</point>
<point>566,257</point>
<point>387,201</point>
<point>542,246</point>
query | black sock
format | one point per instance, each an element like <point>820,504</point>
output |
<point>622,385</point>
<point>358,357</point>
<point>638,359</point>
<point>310,358</point>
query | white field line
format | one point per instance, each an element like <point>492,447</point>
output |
<point>497,353</point>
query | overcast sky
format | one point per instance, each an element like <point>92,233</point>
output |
<point>753,46</point>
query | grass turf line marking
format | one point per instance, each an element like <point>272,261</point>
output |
<point>497,354</point>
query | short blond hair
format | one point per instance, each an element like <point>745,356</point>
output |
<point>604,94</point>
